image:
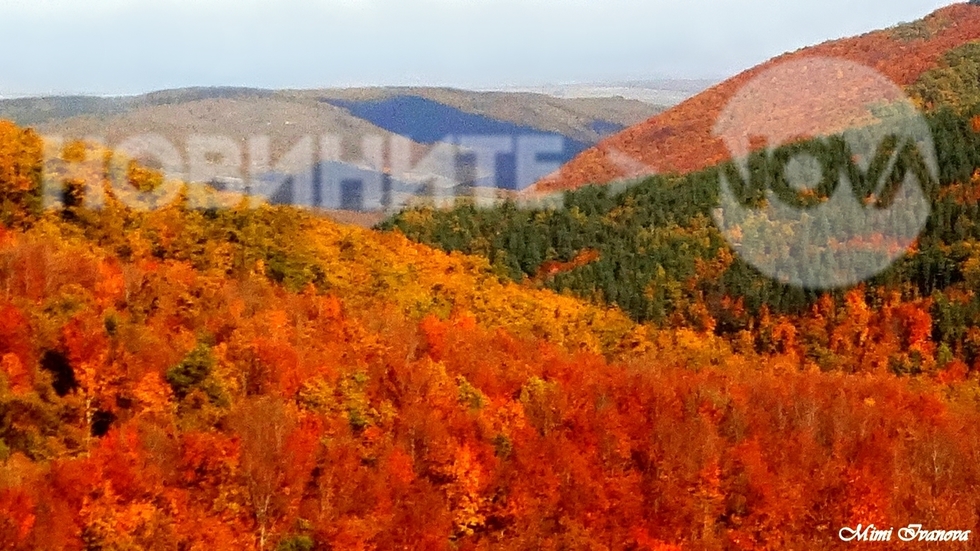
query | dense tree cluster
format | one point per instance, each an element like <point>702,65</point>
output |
<point>163,403</point>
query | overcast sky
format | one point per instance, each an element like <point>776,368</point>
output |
<point>128,46</point>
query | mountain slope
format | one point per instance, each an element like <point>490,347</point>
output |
<point>283,114</point>
<point>427,121</point>
<point>178,118</point>
<point>237,378</point>
<point>655,250</point>
<point>575,118</point>
<point>681,139</point>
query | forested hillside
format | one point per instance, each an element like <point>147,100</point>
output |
<point>239,378</point>
<point>682,139</point>
<point>661,258</point>
<point>206,373</point>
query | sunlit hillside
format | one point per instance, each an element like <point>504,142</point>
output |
<point>246,378</point>
<point>682,139</point>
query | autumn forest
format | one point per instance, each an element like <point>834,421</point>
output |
<point>604,375</point>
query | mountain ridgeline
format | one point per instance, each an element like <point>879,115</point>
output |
<point>358,175</point>
<point>682,138</point>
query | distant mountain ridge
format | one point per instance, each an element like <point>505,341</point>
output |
<point>43,109</point>
<point>657,91</point>
<point>425,116</point>
<point>572,117</point>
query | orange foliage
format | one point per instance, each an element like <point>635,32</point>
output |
<point>681,139</point>
<point>410,399</point>
<point>554,267</point>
